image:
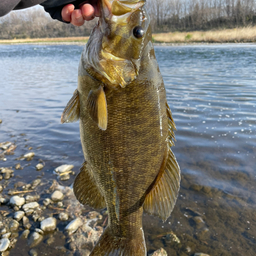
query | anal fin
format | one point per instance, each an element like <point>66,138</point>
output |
<point>72,110</point>
<point>161,199</point>
<point>97,107</point>
<point>86,190</point>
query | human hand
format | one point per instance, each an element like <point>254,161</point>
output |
<point>87,11</point>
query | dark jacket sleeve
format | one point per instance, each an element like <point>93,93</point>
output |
<point>54,7</point>
<point>9,5</point>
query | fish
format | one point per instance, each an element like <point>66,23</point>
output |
<point>126,128</point>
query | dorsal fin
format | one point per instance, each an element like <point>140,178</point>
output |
<point>97,107</point>
<point>72,110</point>
<point>86,190</point>
<point>162,197</point>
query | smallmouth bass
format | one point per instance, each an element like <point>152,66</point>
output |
<point>126,128</point>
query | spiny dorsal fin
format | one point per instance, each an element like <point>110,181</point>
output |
<point>161,199</point>
<point>72,110</point>
<point>97,107</point>
<point>86,190</point>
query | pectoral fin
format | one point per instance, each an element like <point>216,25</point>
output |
<point>86,190</point>
<point>162,197</point>
<point>97,107</point>
<point>72,110</point>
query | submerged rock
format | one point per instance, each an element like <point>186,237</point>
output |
<point>29,206</point>
<point>13,225</point>
<point>39,167</point>
<point>160,252</point>
<point>74,225</point>
<point>19,215</point>
<point>63,216</point>
<point>34,239</point>
<point>4,244</point>
<point>57,195</point>
<point>63,168</point>
<point>17,200</point>
<point>200,254</point>
<point>48,224</point>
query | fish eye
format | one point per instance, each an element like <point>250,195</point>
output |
<point>138,32</point>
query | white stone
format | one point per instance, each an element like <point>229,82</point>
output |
<point>57,195</point>
<point>4,244</point>
<point>29,155</point>
<point>48,224</point>
<point>160,252</point>
<point>19,215</point>
<point>17,200</point>
<point>63,168</point>
<point>29,206</point>
<point>63,216</point>
<point>39,167</point>
<point>74,225</point>
<point>34,239</point>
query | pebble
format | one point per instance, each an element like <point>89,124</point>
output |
<point>7,173</point>
<point>93,215</point>
<point>30,198</point>
<point>25,234</point>
<point>74,225</point>
<point>6,235</point>
<point>4,244</point>
<point>25,222</point>
<point>63,216</point>
<point>1,121</point>
<point>32,252</point>
<point>201,254</point>
<point>3,231</point>
<point>40,231</point>
<point>60,204</point>
<point>34,239</point>
<point>35,183</point>
<point>13,225</point>
<point>57,195</point>
<point>47,201</point>
<point>1,188</point>
<point>17,200</point>
<point>65,177</point>
<point>29,156</point>
<point>29,206</point>
<point>3,200</point>
<point>50,240</point>
<point>39,167</point>
<point>63,168</point>
<point>48,224</point>
<point>18,167</point>
<point>5,145</point>
<point>198,220</point>
<point>160,252</point>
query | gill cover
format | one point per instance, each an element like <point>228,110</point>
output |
<point>116,43</point>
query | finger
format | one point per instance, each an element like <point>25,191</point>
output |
<point>87,11</point>
<point>67,11</point>
<point>77,18</point>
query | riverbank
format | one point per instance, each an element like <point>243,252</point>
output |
<point>236,35</point>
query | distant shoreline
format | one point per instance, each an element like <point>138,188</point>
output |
<point>236,35</point>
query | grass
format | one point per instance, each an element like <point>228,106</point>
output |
<point>236,35</point>
<point>58,40</point>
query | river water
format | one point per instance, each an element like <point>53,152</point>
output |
<point>211,91</point>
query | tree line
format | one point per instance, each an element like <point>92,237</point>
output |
<point>166,15</point>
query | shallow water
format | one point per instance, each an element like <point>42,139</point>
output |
<point>211,91</point>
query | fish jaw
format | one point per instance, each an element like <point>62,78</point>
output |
<point>113,53</point>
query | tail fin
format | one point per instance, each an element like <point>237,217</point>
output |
<point>110,245</point>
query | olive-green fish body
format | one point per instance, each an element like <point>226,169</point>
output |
<point>126,130</point>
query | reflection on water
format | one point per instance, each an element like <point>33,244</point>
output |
<point>212,93</point>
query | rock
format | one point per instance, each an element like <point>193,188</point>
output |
<point>7,173</point>
<point>7,235</point>
<point>93,215</point>
<point>29,156</point>
<point>196,187</point>
<point>3,200</point>
<point>19,215</point>
<point>47,201</point>
<point>1,121</point>
<point>5,145</point>
<point>48,224</point>
<point>201,254</point>
<point>63,168</point>
<point>32,252</point>
<point>1,188</point>
<point>160,252</point>
<point>4,244</point>
<point>65,177</point>
<point>60,204</point>
<point>18,167</point>
<point>3,231</point>
<point>35,183</point>
<point>171,237</point>
<point>34,239</point>
<point>13,225</point>
<point>57,195</point>
<point>26,223</point>
<point>39,231</point>
<point>63,216</point>
<point>198,221</point>
<point>25,234</point>
<point>74,225</point>
<point>17,200</point>
<point>30,198</point>
<point>29,206</point>
<point>50,240</point>
<point>39,167</point>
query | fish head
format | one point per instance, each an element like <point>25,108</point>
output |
<point>116,44</point>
